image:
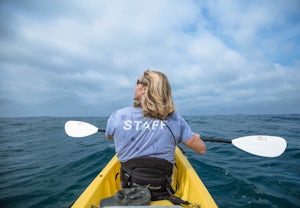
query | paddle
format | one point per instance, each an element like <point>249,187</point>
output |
<point>260,145</point>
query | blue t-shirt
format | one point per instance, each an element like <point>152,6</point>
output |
<point>137,136</point>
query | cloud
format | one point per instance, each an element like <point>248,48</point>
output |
<point>82,58</point>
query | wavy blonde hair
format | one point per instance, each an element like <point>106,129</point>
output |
<point>157,101</point>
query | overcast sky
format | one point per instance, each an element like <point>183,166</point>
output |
<point>83,57</point>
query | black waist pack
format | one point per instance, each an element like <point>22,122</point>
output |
<point>136,196</point>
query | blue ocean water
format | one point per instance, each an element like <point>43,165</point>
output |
<point>40,166</point>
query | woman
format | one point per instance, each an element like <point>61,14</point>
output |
<point>146,135</point>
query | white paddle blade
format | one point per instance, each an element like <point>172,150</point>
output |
<point>265,146</point>
<point>79,129</point>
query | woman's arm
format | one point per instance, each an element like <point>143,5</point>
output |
<point>196,144</point>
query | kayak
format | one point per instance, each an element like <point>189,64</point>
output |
<point>185,182</point>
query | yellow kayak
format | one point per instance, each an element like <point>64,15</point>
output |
<point>185,181</point>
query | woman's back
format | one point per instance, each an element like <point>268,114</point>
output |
<point>139,136</point>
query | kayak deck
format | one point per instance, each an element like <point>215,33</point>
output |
<point>185,181</point>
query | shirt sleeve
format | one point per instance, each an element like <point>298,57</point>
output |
<point>111,125</point>
<point>186,131</point>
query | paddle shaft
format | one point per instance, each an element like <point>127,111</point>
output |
<point>206,140</point>
<point>217,140</point>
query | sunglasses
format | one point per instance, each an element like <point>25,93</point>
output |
<point>139,82</point>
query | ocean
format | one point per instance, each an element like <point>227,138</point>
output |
<point>40,166</point>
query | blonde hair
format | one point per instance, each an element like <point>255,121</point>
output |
<point>157,101</point>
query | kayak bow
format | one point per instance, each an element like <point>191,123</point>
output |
<point>185,181</point>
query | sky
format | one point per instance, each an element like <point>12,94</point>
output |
<point>83,57</point>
